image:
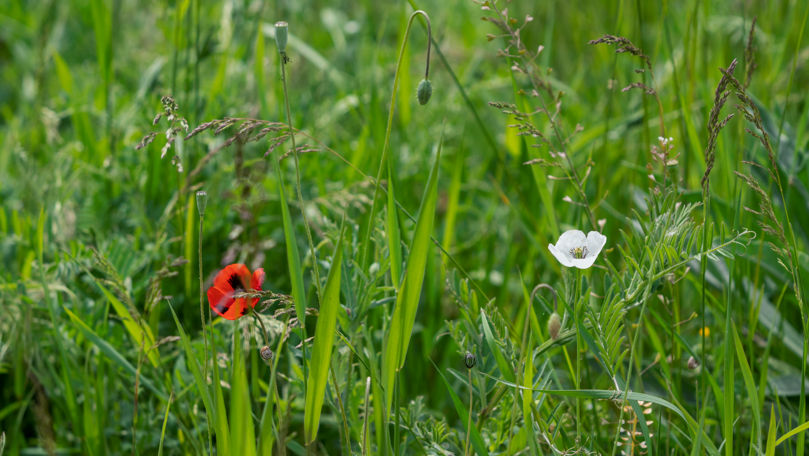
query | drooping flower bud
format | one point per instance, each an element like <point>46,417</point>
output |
<point>554,325</point>
<point>425,90</point>
<point>202,201</point>
<point>281,35</point>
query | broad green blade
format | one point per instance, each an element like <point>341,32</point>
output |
<point>771,441</point>
<point>392,233</point>
<point>407,300</point>
<point>322,346</point>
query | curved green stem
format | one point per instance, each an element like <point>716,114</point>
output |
<point>383,162</point>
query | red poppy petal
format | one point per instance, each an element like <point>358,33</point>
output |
<point>258,279</point>
<point>220,301</point>
<point>234,277</point>
<point>237,310</point>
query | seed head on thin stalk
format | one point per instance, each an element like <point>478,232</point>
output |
<point>469,361</point>
<point>281,32</point>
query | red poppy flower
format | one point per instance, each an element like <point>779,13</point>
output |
<point>232,279</point>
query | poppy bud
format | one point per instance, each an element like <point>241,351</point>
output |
<point>266,353</point>
<point>425,90</point>
<point>202,201</point>
<point>469,360</point>
<point>281,35</point>
<point>554,325</point>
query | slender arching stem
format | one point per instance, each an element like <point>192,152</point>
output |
<point>383,162</point>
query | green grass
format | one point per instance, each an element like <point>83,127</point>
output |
<point>399,240</point>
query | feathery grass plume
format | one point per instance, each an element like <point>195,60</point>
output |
<point>787,249</point>
<point>769,221</point>
<point>624,46</point>
<point>750,63</point>
<point>177,124</point>
<point>715,124</point>
<point>523,64</point>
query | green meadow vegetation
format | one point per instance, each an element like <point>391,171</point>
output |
<point>485,227</point>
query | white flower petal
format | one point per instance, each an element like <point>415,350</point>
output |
<point>571,239</point>
<point>563,256</point>
<point>584,263</point>
<point>595,242</point>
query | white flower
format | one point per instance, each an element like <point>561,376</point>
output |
<point>575,249</point>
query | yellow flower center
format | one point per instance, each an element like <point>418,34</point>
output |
<point>578,252</point>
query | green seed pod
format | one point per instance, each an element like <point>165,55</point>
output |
<point>281,35</point>
<point>202,201</point>
<point>469,360</point>
<point>554,325</point>
<point>424,91</point>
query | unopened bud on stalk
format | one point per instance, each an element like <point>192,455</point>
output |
<point>554,325</point>
<point>281,35</point>
<point>202,201</point>
<point>469,360</point>
<point>425,90</point>
<point>266,353</point>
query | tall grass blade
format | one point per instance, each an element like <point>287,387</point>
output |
<point>322,346</point>
<point>407,300</point>
<point>293,258</point>
<point>771,432</point>
<point>752,392</point>
<point>162,430</point>
<point>392,233</point>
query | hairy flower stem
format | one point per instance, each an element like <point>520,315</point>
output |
<point>202,320</point>
<point>284,61</point>
<point>202,298</point>
<point>383,162</point>
<point>469,419</point>
<point>577,303</point>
